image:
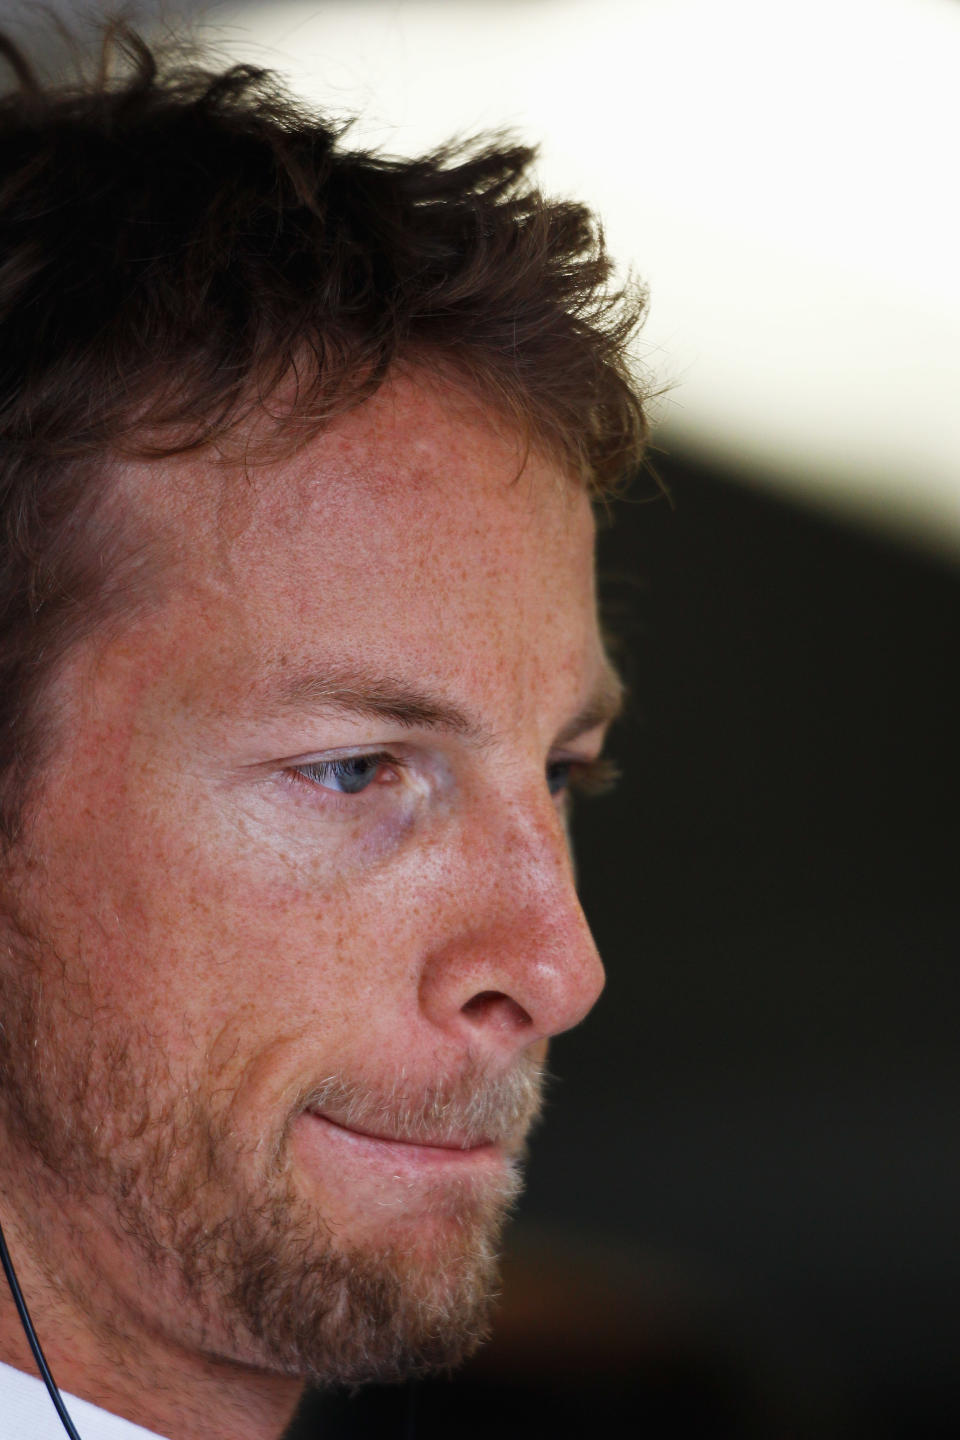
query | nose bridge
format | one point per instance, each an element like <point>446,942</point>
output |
<point>524,945</point>
<point>534,852</point>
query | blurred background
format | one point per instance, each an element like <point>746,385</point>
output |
<point>742,1211</point>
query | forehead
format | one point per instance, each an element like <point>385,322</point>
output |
<point>417,471</point>
<point>415,524</point>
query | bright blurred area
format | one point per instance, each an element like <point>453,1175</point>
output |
<point>783,176</point>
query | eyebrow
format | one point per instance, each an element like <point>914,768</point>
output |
<point>382,697</point>
<point>379,697</point>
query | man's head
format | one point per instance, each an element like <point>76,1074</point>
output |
<point>299,657</point>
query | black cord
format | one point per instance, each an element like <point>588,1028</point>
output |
<point>31,1335</point>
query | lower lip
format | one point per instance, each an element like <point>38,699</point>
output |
<point>399,1155</point>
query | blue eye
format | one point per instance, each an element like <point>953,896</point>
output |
<point>347,776</point>
<point>591,777</point>
<point>558,776</point>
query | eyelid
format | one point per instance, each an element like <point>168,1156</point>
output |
<point>345,752</point>
<point>338,757</point>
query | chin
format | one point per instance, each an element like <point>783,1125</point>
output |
<point>363,1313</point>
<point>396,1293</point>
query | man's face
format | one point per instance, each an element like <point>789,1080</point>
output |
<point>295,914</point>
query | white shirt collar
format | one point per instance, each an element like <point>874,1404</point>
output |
<point>28,1413</point>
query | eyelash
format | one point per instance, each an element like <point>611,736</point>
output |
<point>316,772</point>
<point>586,777</point>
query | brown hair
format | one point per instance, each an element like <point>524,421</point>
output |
<point>176,244</point>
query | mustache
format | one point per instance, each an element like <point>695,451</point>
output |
<point>473,1108</point>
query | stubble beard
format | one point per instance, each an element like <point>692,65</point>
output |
<point>261,1278</point>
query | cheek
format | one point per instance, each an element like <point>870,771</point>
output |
<point>192,920</point>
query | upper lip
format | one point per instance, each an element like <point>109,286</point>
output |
<point>439,1140</point>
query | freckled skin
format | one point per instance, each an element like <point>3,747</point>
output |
<point>237,933</point>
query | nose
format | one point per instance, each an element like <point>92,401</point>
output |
<point>515,962</point>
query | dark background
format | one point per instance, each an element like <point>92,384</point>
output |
<point>741,1216</point>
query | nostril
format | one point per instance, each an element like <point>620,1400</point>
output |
<point>493,1007</point>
